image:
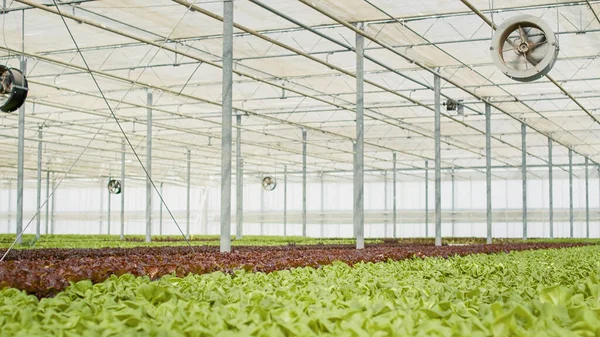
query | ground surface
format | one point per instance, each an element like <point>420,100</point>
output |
<point>550,292</point>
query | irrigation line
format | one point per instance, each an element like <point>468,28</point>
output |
<point>112,114</point>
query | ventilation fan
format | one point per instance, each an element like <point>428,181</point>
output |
<point>13,89</point>
<point>114,186</point>
<point>269,183</point>
<point>524,48</point>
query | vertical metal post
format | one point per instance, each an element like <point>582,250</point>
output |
<point>239,181</point>
<point>285,200</point>
<point>47,202</point>
<point>453,203</point>
<point>160,213</point>
<point>21,145</point>
<point>9,203</point>
<point>359,202</point>
<point>38,220</point>
<point>52,220</point>
<point>570,192</point>
<point>438,162</point>
<point>101,206</point>
<point>189,182</point>
<point>322,207</point>
<point>262,211</point>
<point>227,111</point>
<point>524,176</point>
<point>488,171</point>
<point>550,190</point>
<point>108,213</point>
<point>587,200</point>
<point>427,198</point>
<point>149,166</point>
<point>303,182</point>
<point>394,217</point>
<point>385,204</point>
<point>123,190</point>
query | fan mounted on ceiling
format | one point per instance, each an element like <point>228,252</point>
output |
<point>13,89</point>
<point>269,183</point>
<point>114,186</point>
<point>524,48</point>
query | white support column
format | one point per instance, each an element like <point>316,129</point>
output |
<point>394,197</point>
<point>322,207</point>
<point>550,190</point>
<point>587,200</point>
<point>385,204</point>
<point>38,220</point>
<point>239,182</point>
<point>188,187</point>
<point>101,220</point>
<point>359,202</point>
<point>571,229</point>
<point>160,211</point>
<point>123,190</point>
<point>524,176</point>
<point>149,103</point>
<point>21,145</point>
<point>53,199</point>
<point>47,220</point>
<point>426,198</point>
<point>488,171</point>
<point>453,203</point>
<point>304,182</point>
<point>285,200</point>
<point>108,211</point>
<point>438,162</point>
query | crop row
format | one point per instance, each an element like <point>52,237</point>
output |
<point>51,274</point>
<point>550,293</point>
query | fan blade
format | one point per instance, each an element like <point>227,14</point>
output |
<point>522,34</point>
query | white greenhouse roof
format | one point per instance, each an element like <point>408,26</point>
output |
<point>173,49</point>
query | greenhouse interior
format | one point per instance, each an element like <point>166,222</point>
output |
<point>300,168</point>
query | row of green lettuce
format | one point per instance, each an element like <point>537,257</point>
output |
<point>530,293</point>
<point>102,241</point>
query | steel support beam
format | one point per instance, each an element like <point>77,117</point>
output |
<point>322,207</point>
<point>38,220</point>
<point>488,171</point>
<point>123,191</point>
<point>188,187</point>
<point>570,192</point>
<point>262,211</point>
<point>385,204</point>
<point>438,160</point>
<point>21,145</point>
<point>53,199</point>
<point>453,202</point>
<point>285,200</point>
<point>394,209</point>
<point>304,182</point>
<point>160,212</point>
<point>101,220</point>
<point>550,191</point>
<point>108,211</point>
<point>426,198</point>
<point>239,182</point>
<point>9,203</point>
<point>149,102</point>
<point>587,200</point>
<point>524,176</point>
<point>227,111</point>
<point>47,220</point>
<point>359,202</point>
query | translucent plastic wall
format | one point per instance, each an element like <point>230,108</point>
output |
<point>82,208</point>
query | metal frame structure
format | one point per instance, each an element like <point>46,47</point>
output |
<point>360,75</point>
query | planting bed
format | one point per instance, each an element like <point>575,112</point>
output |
<point>550,293</point>
<point>45,272</point>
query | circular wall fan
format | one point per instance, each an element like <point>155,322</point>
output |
<point>13,89</point>
<point>524,48</point>
<point>114,186</point>
<point>269,183</point>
